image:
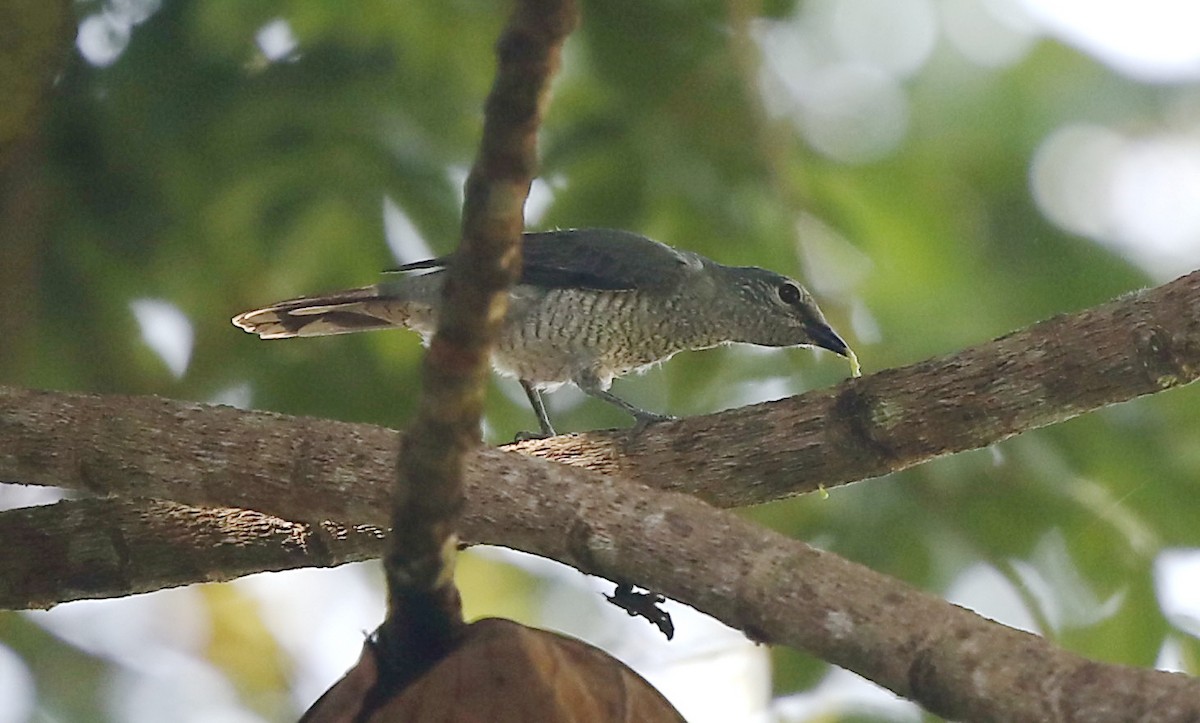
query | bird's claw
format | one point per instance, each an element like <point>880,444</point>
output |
<point>526,436</point>
<point>645,419</point>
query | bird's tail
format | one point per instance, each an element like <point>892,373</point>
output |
<point>341,312</point>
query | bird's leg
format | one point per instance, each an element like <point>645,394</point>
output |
<point>539,408</point>
<point>642,418</point>
<point>590,384</point>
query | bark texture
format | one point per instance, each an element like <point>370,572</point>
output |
<point>777,590</point>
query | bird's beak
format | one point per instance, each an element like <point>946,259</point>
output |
<point>826,338</point>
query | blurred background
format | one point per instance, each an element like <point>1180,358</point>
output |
<point>939,172</point>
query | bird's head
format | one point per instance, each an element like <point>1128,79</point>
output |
<point>773,310</point>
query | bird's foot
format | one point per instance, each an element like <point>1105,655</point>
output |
<point>644,419</point>
<point>546,433</point>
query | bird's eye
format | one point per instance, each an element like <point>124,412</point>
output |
<point>789,294</point>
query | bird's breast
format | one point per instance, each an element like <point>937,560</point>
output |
<point>552,336</point>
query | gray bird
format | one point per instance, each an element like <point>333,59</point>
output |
<point>591,305</point>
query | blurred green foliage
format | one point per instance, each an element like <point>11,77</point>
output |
<point>197,171</point>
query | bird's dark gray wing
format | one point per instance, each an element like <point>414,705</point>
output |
<point>605,259</point>
<point>593,258</point>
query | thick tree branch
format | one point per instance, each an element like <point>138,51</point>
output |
<point>782,591</point>
<point>112,547</point>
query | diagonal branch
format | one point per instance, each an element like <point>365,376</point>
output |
<point>310,469</point>
<point>776,589</point>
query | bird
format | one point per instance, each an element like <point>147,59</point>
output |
<point>590,305</point>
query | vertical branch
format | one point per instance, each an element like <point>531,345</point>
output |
<point>424,611</point>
